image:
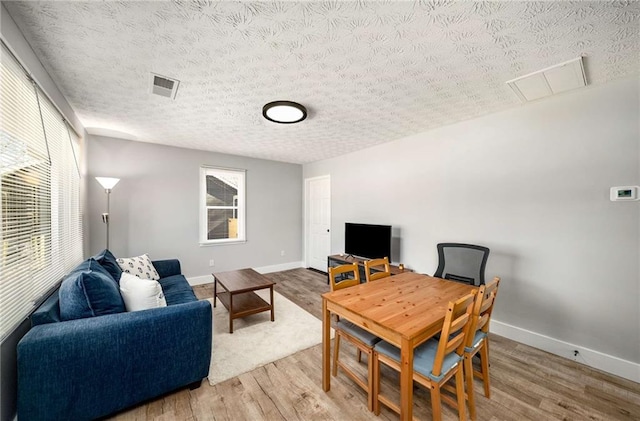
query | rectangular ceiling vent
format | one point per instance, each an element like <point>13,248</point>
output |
<point>550,81</point>
<point>164,86</point>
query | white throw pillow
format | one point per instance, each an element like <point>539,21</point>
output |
<point>140,266</point>
<point>141,294</point>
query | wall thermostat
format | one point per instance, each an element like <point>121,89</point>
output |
<point>624,193</point>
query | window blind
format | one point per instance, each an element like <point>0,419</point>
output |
<point>41,235</point>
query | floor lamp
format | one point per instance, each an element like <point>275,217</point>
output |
<point>108,183</point>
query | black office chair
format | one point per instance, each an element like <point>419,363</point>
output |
<point>462,262</point>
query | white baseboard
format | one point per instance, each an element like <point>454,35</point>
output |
<point>207,279</point>
<point>279,267</point>
<point>614,365</point>
<point>199,280</point>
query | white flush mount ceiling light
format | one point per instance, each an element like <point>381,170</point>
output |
<point>284,112</point>
<point>552,80</point>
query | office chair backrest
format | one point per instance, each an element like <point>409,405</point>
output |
<point>462,262</point>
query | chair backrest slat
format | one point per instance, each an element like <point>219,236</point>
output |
<point>454,330</point>
<point>482,322</point>
<point>378,273</point>
<point>482,309</point>
<point>349,270</point>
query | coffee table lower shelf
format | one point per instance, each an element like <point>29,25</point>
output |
<point>243,304</point>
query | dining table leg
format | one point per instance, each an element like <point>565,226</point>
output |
<point>406,380</point>
<point>326,346</point>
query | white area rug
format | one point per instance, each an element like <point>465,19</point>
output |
<point>257,341</point>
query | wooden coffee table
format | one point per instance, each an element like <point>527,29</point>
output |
<point>239,297</point>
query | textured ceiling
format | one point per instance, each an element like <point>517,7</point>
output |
<point>368,72</point>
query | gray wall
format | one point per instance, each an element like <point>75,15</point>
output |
<point>154,208</point>
<point>532,184</point>
<point>12,36</point>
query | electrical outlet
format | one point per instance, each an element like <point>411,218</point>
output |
<point>281,252</point>
<point>211,262</point>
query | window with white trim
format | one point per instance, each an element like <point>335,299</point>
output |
<point>41,234</point>
<point>222,205</point>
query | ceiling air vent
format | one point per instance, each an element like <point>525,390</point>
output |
<point>552,80</point>
<point>164,86</point>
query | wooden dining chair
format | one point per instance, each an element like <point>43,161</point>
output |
<point>360,338</point>
<point>435,362</point>
<point>478,340</point>
<point>375,274</point>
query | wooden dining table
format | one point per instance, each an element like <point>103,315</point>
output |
<point>404,310</point>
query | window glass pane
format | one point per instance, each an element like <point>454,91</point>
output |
<point>222,190</point>
<point>222,198</point>
<point>26,205</point>
<point>221,224</point>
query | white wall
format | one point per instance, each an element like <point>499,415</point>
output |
<point>154,207</point>
<point>532,184</point>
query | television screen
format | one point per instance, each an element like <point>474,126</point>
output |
<point>370,241</point>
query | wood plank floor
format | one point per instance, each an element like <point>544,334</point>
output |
<point>526,383</point>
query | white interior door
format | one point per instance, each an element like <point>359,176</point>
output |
<point>318,217</point>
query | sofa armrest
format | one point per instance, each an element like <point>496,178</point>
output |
<point>89,368</point>
<point>168,267</point>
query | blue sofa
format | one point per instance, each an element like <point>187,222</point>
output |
<point>94,366</point>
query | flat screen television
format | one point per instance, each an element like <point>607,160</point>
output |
<point>365,240</point>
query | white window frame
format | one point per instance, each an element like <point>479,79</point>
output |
<point>240,208</point>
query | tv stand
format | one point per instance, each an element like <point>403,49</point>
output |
<point>337,260</point>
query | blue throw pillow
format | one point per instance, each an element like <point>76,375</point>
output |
<point>89,292</point>
<point>48,312</point>
<point>108,261</point>
<point>89,264</point>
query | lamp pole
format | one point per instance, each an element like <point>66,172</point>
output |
<point>108,183</point>
<point>105,216</point>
